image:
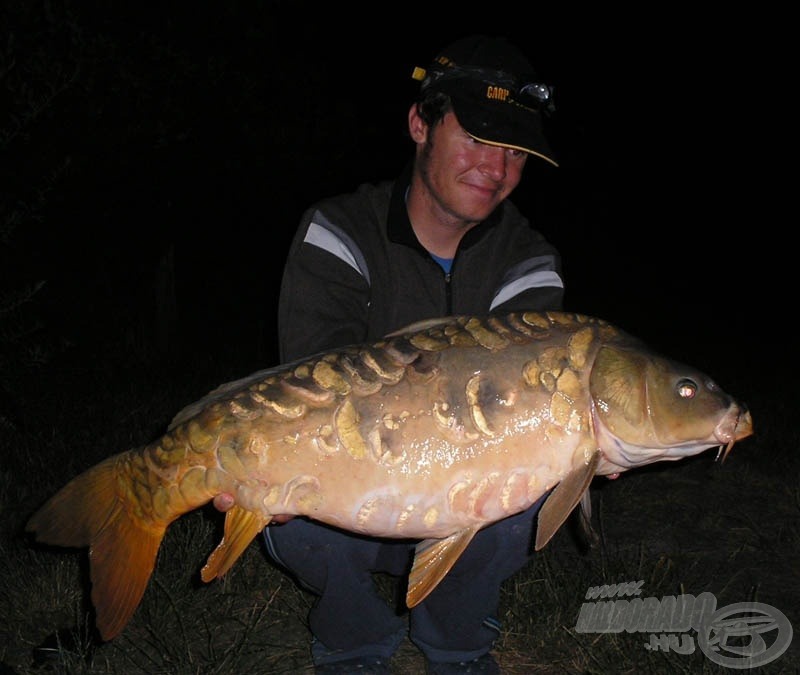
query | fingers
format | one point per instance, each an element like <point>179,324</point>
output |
<point>223,502</point>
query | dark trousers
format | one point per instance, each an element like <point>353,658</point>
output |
<point>456,622</point>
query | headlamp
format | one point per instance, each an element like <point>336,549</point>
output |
<point>464,79</point>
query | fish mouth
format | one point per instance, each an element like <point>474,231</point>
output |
<point>735,426</point>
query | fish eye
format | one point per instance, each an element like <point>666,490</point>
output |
<point>687,388</point>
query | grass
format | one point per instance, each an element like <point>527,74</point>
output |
<point>690,527</point>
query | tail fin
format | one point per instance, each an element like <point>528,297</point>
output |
<point>89,511</point>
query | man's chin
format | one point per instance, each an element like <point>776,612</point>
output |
<point>475,211</point>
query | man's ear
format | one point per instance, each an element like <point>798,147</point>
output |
<point>417,128</point>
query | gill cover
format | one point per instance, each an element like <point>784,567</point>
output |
<point>649,401</point>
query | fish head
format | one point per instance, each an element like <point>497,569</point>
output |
<point>647,408</point>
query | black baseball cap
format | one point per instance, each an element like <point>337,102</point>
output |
<point>496,94</point>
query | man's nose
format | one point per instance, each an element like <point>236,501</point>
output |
<point>493,162</point>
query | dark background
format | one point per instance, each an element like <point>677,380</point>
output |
<point>156,160</point>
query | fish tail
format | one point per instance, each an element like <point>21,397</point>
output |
<point>89,511</point>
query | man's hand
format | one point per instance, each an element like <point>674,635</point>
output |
<point>224,502</point>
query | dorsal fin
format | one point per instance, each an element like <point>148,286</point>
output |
<point>425,324</point>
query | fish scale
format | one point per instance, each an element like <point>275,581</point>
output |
<point>432,433</point>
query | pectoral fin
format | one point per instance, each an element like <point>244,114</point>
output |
<point>433,559</point>
<point>590,537</point>
<point>241,527</point>
<point>562,500</point>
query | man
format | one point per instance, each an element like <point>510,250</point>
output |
<point>441,239</point>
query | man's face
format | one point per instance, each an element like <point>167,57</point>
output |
<point>466,178</point>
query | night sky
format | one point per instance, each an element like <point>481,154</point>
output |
<point>206,129</point>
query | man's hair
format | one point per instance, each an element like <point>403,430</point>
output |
<point>433,106</point>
